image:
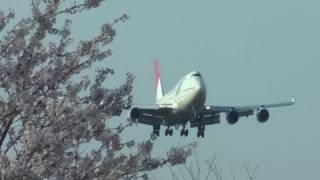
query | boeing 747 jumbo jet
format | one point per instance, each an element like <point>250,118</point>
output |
<point>185,104</point>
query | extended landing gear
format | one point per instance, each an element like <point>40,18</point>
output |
<point>184,132</point>
<point>155,132</point>
<point>168,131</point>
<point>201,129</point>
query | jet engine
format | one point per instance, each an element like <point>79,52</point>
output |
<point>232,117</point>
<point>134,113</point>
<point>263,115</point>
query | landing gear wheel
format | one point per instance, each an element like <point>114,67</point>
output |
<point>170,132</point>
<point>153,136</point>
<point>156,130</point>
<point>184,132</point>
<point>200,134</point>
<point>201,130</point>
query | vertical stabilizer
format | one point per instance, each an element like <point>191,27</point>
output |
<point>159,91</point>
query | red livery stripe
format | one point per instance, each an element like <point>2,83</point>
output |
<point>157,72</point>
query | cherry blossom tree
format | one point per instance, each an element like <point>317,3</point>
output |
<point>51,112</point>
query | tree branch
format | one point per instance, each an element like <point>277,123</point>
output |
<point>7,126</point>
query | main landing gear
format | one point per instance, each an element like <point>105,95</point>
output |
<point>198,118</point>
<point>155,132</point>
<point>201,129</point>
<point>184,132</point>
<point>168,131</point>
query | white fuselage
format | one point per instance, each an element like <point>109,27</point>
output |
<point>188,95</point>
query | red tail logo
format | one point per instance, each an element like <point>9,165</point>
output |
<point>159,91</point>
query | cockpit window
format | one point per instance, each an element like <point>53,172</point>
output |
<point>196,75</point>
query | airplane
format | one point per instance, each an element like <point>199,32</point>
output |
<point>185,104</point>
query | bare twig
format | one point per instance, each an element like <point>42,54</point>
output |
<point>198,165</point>
<point>232,173</point>
<point>182,175</point>
<point>251,174</point>
<point>173,174</point>
<point>190,171</point>
<point>214,168</point>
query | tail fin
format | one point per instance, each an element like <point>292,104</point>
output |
<point>159,91</point>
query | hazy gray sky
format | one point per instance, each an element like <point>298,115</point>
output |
<point>248,51</point>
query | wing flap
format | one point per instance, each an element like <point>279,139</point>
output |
<point>152,116</point>
<point>207,119</point>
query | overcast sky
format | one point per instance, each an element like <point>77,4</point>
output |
<point>248,51</point>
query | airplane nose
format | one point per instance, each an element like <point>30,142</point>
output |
<point>198,87</point>
<point>198,82</point>
<point>199,93</point>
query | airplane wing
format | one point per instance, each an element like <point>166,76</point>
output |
<point>235,112</point>
<point>219,109</point>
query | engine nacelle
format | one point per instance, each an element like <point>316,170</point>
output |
<point>232,117</point>
<point>134,113</point>
<point>263,115</point>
